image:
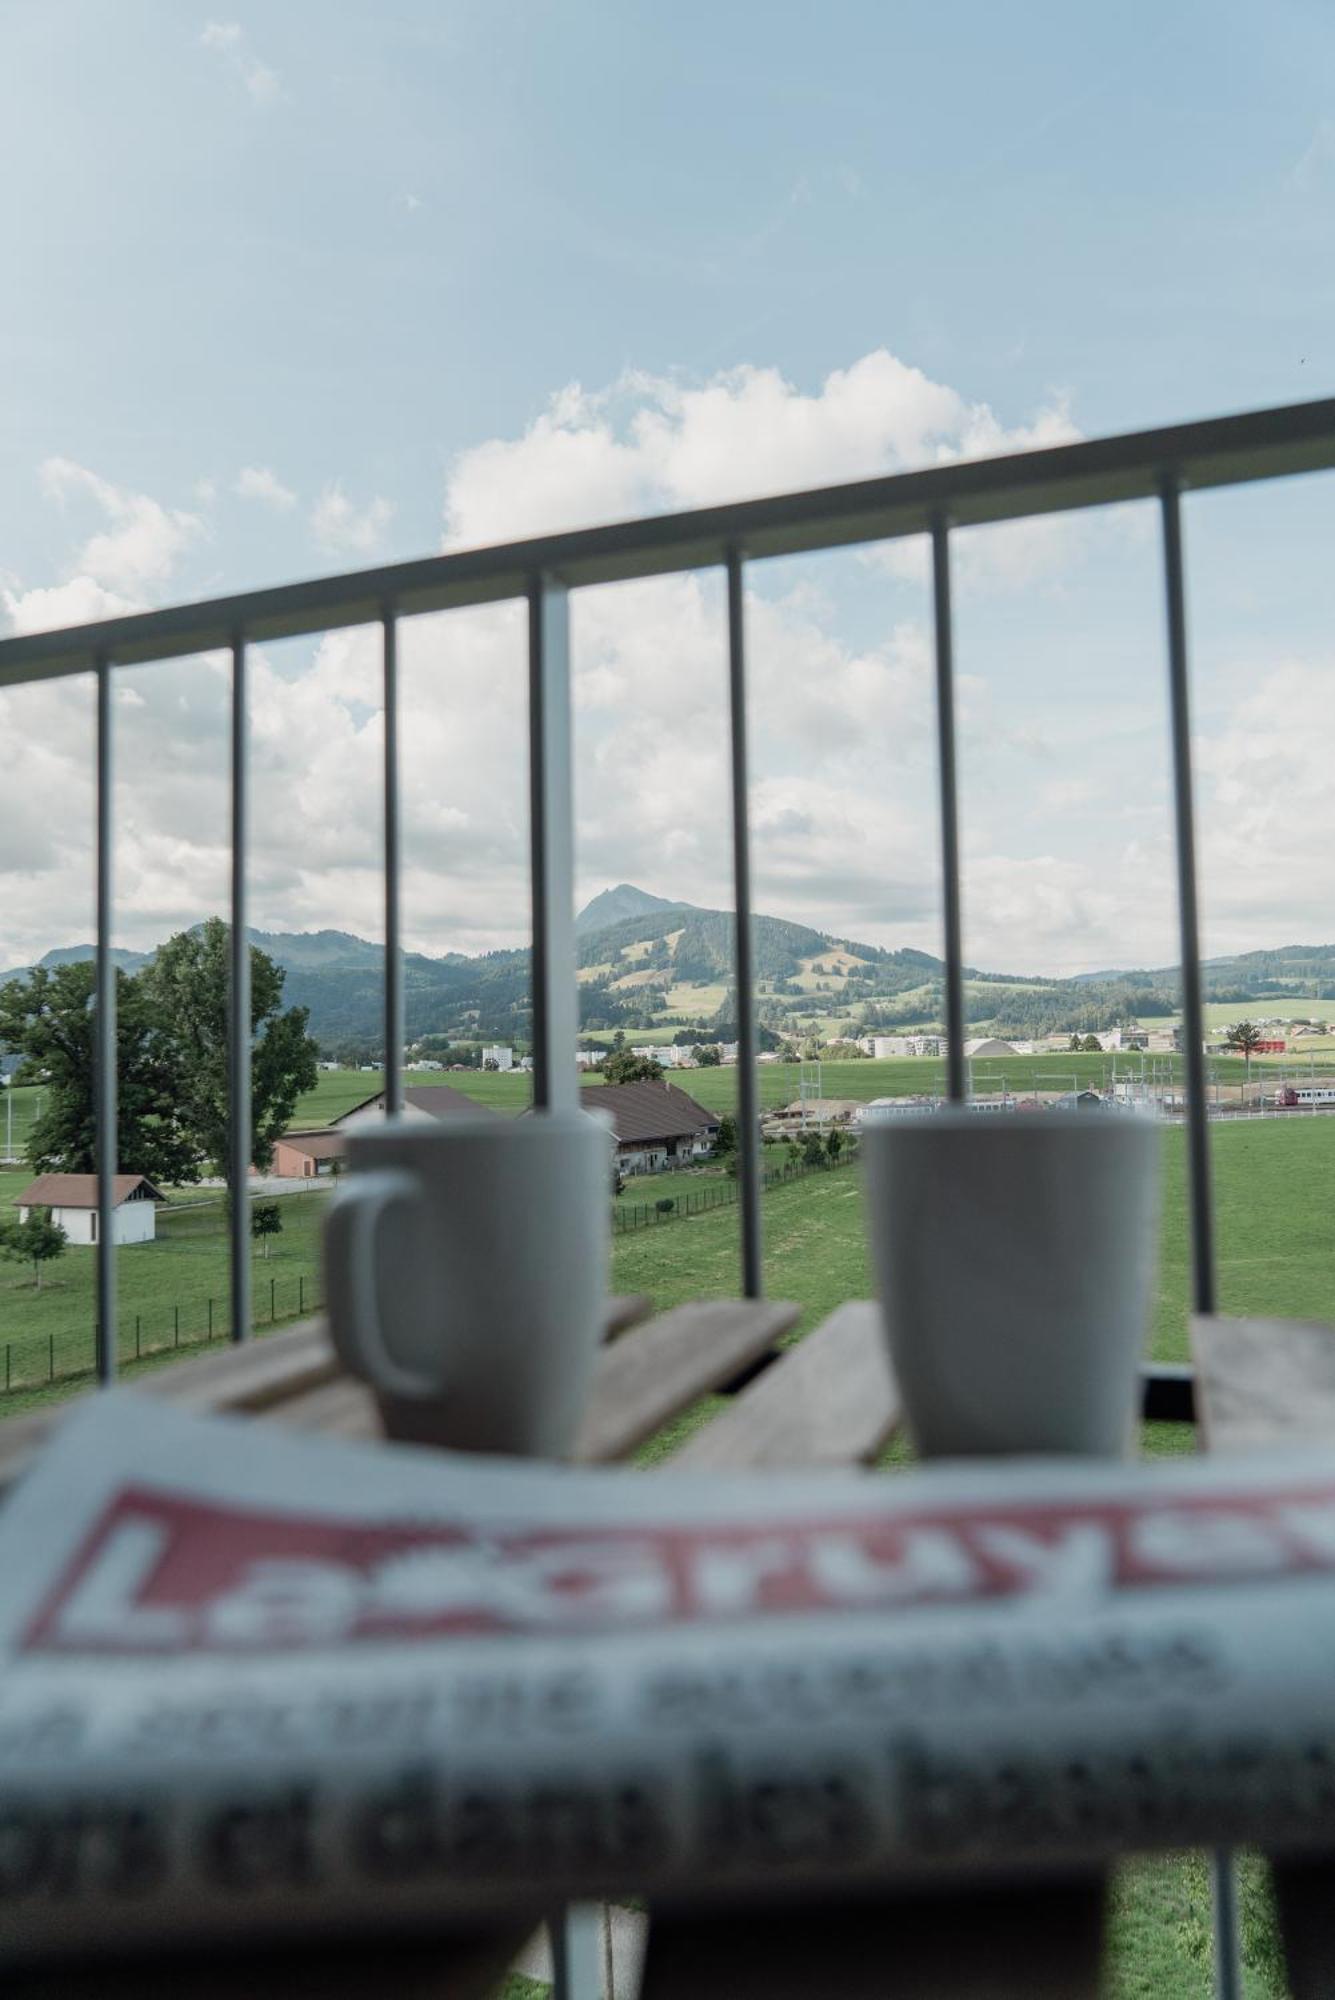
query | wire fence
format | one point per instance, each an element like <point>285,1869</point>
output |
<point>38,1361</point>
<point>717,1192</point>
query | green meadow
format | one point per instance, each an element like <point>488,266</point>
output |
<point>1276,1248</point>
<point>338,1091</point>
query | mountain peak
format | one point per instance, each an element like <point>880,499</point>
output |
<point>614,906</point>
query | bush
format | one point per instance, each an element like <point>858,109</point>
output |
<point>665,1205</point>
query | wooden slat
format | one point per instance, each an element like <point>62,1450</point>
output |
<point>342,1408</point>
<point>252,1378</point>
<point>265,1377</point>
<point>1262,1382</point>
<point>625,1310</point>
<point>1040,1942</point>
<point>670,1363</point>
<point>21,1438</point>
<point>830,1400</point>
<point>641,1382</point>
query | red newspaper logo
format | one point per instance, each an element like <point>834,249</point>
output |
<point>160,1572</point>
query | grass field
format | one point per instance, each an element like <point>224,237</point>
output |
<point>1276,1247</point>
<point>1223,1013</point>
<point>167,1291</point>
<point>1270,1178</point>
<point>339,1090</point>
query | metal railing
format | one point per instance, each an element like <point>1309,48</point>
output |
<point>1156,466</point>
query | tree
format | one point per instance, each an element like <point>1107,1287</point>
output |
<point>834,1146</point>
<point>36,1241</point>
<point>1092,1045</point>
<point>726,1141</point>
<point>49,1019</point>
<point>187,983</point>
<point>709,1056</point>
<point>626,1067</point>
<point>266,1220</point>
<point>813,1150</point>
<point>1245,1035</point>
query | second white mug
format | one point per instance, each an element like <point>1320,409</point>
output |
<point>1015,1261</point>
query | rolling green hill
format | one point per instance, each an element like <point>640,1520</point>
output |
<point>647,963</point>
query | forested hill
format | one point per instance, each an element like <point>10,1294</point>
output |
<point>647,960</point>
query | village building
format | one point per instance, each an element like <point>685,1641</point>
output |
<point>308,1155</point>
<point>655,1123</point>
<point>423,1100</point>
<point>72,1201</point>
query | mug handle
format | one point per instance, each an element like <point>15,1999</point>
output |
<point>351,1295</point>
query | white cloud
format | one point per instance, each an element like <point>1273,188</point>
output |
<point>77,602</point>
<point>229,42</point>
<point>1268,810</point>
<point>339,526</point>
<point>1069,862</point>
<point>258,482</point>
<point>651,443</point>
<point>144,541</point>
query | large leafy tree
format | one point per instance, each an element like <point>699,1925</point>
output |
<point>1245,1037</point>
<point>48,1019</point>
<point>623,1066</point>
<point>186,985</point>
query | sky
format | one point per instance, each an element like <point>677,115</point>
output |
<point>297,289</point>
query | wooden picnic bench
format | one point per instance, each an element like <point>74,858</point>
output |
<point>827,1400</point>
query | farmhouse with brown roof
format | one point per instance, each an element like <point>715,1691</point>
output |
<point>656,1124</point>
<point>423,1100</point>
<point>72,1200</point>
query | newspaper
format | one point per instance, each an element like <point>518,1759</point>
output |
<point>258,1683</point>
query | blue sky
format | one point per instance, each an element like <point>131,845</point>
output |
<point>299,287</point>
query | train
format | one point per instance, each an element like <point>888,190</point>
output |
<point>1294,1096</point>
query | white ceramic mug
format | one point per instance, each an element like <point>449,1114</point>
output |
<point>1015,1261</point>
<point>466,1276</point>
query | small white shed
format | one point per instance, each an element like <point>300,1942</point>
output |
<point>72,1200</point>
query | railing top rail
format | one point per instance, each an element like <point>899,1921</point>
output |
<point>1220,451</point>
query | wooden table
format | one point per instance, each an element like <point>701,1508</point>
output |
<point>828,1400</point>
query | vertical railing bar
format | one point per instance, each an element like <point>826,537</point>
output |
<point>748,1109</point>
<point>1224,1885</point>
<point>239,1024</point>
<point>552,847</point>
<point>393,857</point>
<point>104,1052</point>
<point>555,1020</point>
<point>956,1080</point>
<point>1193,1011</point>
